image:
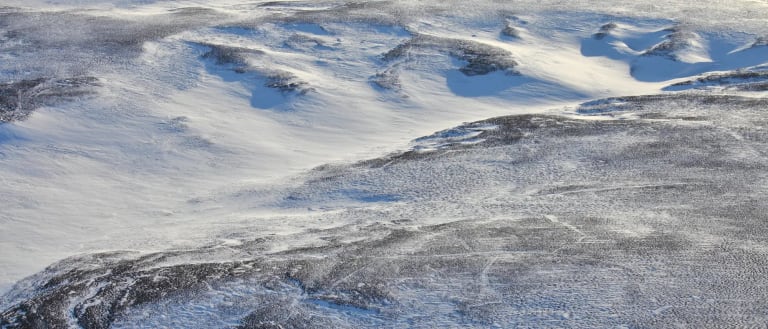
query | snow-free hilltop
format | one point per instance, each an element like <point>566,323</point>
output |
<point>154,139</point>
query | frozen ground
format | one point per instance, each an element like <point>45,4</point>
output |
<point>526,220</point>
<point>259,164</point>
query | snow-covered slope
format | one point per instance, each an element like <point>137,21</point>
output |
<point>524,220</point>
<point>168,125</point>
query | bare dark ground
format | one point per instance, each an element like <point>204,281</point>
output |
<point>19,99</point>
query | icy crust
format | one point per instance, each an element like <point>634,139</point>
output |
<point>548,221</point>
<point>677,44</point>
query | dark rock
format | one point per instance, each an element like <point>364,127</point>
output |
<point>481,59</point>
<point>19,99</point>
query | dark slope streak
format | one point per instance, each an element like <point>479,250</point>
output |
<point>19,99</point>
<point>743,80</point>
<point>559,222</point>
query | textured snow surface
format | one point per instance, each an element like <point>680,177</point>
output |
<point>656,221</point>
<point>277,163</point>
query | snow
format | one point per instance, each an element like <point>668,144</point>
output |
<point>122,170</point>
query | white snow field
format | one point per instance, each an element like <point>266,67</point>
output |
<point>202,129</point>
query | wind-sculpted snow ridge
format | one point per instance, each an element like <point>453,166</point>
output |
<point>671,52</point>
<point>760,42</point>
<point>543,220</point>
<point>237,58</point>
<point>605,31</point>
<point>511,31</point>
<point>676,43</point>
<point>480,59</point>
